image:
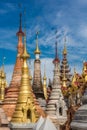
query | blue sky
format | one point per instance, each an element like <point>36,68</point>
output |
<point>66,16</point>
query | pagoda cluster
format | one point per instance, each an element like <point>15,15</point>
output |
<point>28,103</point>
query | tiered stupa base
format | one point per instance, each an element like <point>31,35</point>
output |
<point>22,126</point>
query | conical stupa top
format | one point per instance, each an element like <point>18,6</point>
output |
<point>25,54</point>
<point>65,50</point>
<point>37,51</point>
<point>20,27</point>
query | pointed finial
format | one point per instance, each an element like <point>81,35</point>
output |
<point>25,54</point>
<point>44,72</point>
<point>56,60</point>
<point>20,28</point>
<point>56,56</point>
<point>65,50</point>
<point>37,34</point>
<point>25,30</point>
<point>37,51</point>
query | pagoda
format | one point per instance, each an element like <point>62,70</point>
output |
<point>26,111</point>
<point>37,80</point>
<point>65,67</point>
<point>56,106</point>
<point>13,89</point>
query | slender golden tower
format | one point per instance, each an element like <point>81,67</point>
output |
<point>3,85</point>
<point>25,111</point>
<point>3,82</point>
<point>45,84</point>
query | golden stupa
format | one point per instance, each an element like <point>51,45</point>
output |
<point>25,111</point>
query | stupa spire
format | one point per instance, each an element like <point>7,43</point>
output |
<point>37,50</point>
<point>56,52</point>
<point>65,50</point>
<point>25,111</point>
<point>45,84</point>
<point>65,70</point>
<point>20,32</point>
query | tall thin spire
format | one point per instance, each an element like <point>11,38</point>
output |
<point>56,51</point>
<point>56,56</point>
<point>44,83</point>
<point>20,22</point>
<point>20,32</point>
<point>25,54</point>
<point>37,51</point>
<point>64,50</point>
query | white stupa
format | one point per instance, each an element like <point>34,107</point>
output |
<point>39,123</point>
<point>56,107</point>
<point>47,125</point>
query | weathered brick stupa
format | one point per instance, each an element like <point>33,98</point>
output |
<point>56,106</point>
<point>37,80</point>
<point>13,89</point>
